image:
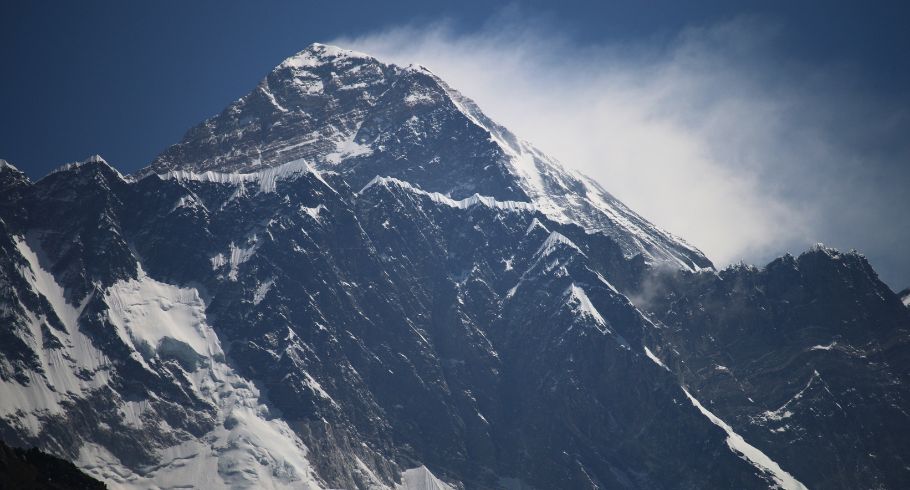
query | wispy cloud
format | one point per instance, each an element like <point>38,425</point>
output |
<point>716,134</point>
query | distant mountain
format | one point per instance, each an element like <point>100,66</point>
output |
<point>809,358</point>
<point>352,278</point>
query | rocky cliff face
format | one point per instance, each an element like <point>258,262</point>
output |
<point>807,357</point>
<point>351,278</point>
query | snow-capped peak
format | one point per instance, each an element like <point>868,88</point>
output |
<point>6,165</point>
<point>96,158</point>
<point>319,54</point>
<point>92,160</point>
<point>349,113</point>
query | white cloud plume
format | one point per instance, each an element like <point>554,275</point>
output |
<point>716,135</point>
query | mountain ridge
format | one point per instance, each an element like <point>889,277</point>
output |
<point>355,314</point>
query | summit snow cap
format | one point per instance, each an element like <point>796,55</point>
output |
<point>319,54</point>
<point>96,158</point>
<point>6,165</point>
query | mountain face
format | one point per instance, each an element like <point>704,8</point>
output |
<point>352,278</point>
<point>809,358</point>
<point>347,112</point>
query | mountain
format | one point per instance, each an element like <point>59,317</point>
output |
<point>352,278</point>
<point>347,112</point>
<point>809,358</point>
<point>36,470</point>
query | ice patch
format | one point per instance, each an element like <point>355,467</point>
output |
<point>347,148</point>
<point>264,88</point>
<point>310,86</point>
<point>507,264</point>
<point>235,257</point>
<point>413,99</point>
<point>824,347</point>
<point>782,412</point>
<point>240,255</point>
<point>145,312</point>
<point>655,359</point>
<point>262,290</point>
<point>312,212</point>
<point>218,261</point>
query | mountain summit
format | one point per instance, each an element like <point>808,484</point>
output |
<point>347,112</point>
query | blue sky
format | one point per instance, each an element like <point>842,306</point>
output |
<point>779,124</point>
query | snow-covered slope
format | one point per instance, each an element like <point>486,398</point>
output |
<point>67,365</point>
<point>246,446</point>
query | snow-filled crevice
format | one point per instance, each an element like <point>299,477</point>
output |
<point>69,372</point>
<point>738,445</point>
<point>750,453</point>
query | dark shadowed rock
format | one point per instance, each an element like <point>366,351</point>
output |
<point>36,470</point>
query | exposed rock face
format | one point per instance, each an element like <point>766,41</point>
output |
<point>351,278</point>
<point>809,358</point>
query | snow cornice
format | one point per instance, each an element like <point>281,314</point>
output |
<point>465,203</point>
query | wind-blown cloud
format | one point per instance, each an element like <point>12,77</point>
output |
<point>717,135</point>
